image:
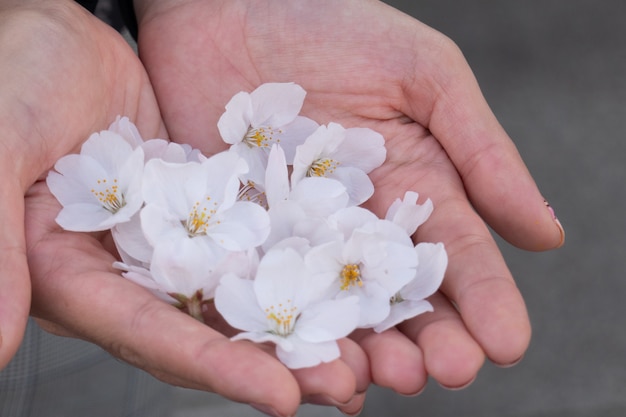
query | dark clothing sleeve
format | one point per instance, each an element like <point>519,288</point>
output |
<point>88,4</point>
<point>128,14</point>
<point>126,9</point>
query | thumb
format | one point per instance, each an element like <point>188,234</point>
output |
<point>14,275</point>
<point>494,175</point>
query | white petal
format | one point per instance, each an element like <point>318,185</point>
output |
<point>108,148</point>
<point>320,197</point>
<point>159,224</point>
<point>276,177</point>
<point>403,311</point>
<point>408,214</point>
<point>279,278</point>
<point>362,148</point>
<point>127,129</point>
<point>85,218</point>
<point>129,238</point>
<point>234,123</point>
<point>243,226</point>
<point>329,320</point>
<point>357,183</point>
<point>236,301</point>
<point>276,104</point>
<point>68,189</point>
<point>283,217</point>
<point>431,268</point>
<point>348,219</point>
<point>294,134</point>
<point>162,149</point>
<point>305,355</point>
<point>373,302</point>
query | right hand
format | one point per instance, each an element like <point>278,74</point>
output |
<point>63,75</point>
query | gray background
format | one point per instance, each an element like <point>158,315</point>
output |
<point>554,72</point>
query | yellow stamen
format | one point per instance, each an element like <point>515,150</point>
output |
<point>261,137</point>
<point>322,167</point>
<point>350,276</point>
<point>199,219</point>
<point>110,197</point>
<point>282,319</point>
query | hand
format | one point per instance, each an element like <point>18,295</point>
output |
<point>63,75</point>
<point>366,64</point>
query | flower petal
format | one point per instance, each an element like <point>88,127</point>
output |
<point>276,104</point>
<point>235,121</point>
<point>305,355</point>
<point>329,320</point>
<point>236,301</point>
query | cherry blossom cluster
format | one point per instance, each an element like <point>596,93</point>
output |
<point>271,230</point>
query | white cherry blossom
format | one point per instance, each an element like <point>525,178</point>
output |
<point>196,203</point>
<point>411,301</point>
<point>373,261</point>
<point>346,155</point>
<point>254,121</point>
<point>101,186</point>
<point>286,305</point>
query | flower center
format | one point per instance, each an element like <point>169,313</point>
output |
<point>282,318</point>
<point>109,195</point>
<point>396,299</point>
<point>350,276</point>
<point>199,219</point>
<point>261,137</point>
<point>249,192</point>
<point>322,167</point>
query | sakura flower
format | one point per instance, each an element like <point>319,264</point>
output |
<point>195,205</point>
<point>346,155</point>
<point>189,285</point>
<point>126,129</point>
<point>411,301</point>
<point>300,211</point>
<point>408,214</point>
<point>171,151</point>
<point>286,305</point>
<point>374,261</point>
<point>101,186</point>
<point>254,121</point>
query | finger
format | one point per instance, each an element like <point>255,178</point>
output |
<point>494,175</point>
<point>14,275</point>
<point>451,355</point>
<point>396,361</point>
<point>341,383</point>
<point>75,287</point>
<point>478,282</point>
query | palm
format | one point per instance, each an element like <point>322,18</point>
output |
<point>365,66</point>
<point>66,75</point>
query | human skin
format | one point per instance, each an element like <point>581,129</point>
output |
<point>366,64</point>
<point>363,64</point>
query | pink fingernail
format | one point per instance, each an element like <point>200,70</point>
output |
<point>266,409</point>
<point>556,220</point>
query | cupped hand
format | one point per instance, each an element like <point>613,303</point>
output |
<point>366,64</point>
<point>63,74</point>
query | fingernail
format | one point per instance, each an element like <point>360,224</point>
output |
<point>414,394</point>
<point>359,401</point>
<point>266,409</point>
<point>510,364</point>
<point>556,221</point>
<point>459,387</point>
<point>323,399</point>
